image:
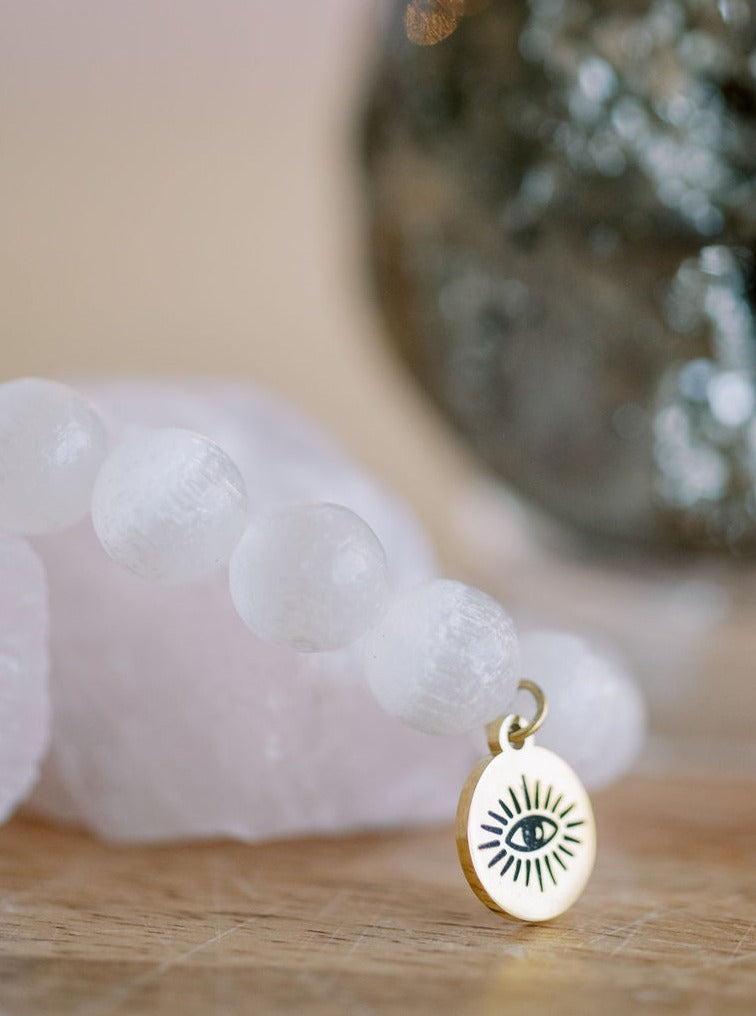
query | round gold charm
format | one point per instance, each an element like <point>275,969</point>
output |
<point>525,830</point>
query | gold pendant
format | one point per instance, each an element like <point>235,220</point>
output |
<point>526,835</point>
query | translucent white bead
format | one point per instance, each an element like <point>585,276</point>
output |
<point>309,576</point>
<point>444,658</point>
<point>169,505</point>
<point>51,445</point>
<point>597,717</point>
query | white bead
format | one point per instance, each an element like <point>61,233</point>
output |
<point>169,505</point>
<point>51,445</point>
<point>310,576</point>
<point>444,658</point>
<point>597,717</point>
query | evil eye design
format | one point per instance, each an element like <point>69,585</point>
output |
<point>534,821</point>
<point>531,833</point>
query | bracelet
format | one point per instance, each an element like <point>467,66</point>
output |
<point>170,505</point>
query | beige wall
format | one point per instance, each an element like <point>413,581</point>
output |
<point>179,196</point>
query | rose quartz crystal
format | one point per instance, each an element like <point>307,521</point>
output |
<point>171,719</point>
<point>24,667</point>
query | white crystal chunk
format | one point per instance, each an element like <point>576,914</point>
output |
<point>51,445</point>
<point>24,668</point>
<point>597,716</point>
<point>444,658</point>
<point>169,505</point>
<point>309,576</point>
<point>176,722</point>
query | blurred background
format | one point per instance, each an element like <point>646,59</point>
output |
<point>224,188</point>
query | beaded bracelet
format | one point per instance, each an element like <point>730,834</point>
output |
<point>171,506</point>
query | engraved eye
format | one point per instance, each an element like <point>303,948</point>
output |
<point>534,816</point>
<point>531,833</point>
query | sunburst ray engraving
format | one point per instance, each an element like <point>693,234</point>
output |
<point>536,828</point>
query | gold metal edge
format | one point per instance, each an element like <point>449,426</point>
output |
<point>463,843</point>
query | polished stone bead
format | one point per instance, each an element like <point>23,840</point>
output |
<point>309,576</point>
<point>597,716</point>
<point>51,445</point>
<point>444,658</point>
<point>169,505</point>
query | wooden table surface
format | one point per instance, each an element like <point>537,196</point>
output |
<point>385,923</point>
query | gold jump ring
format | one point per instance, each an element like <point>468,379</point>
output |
<point>519,730</point>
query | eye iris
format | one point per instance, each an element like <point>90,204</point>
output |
<point>531,832</point>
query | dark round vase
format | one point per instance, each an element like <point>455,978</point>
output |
<point>562,206</point>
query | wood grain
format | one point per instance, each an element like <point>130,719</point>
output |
<point>386,924</point>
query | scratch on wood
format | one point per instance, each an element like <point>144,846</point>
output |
<point>713,961</point>
<point>629,930</point>
<point>100,1006</point>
